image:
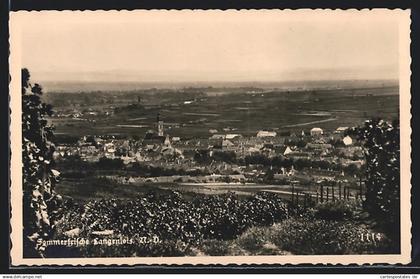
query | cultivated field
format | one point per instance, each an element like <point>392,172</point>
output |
<point>193,112</point>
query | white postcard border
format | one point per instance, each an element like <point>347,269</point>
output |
<point>16,251</point>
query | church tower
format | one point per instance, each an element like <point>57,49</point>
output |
<point>159,126</point>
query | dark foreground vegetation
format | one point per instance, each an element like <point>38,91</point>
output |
<point>170,225</point>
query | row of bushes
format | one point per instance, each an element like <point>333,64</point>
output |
<point>296,235</point>
<point>220,225</point>
<point>172,217</point>
<point>203,157</point>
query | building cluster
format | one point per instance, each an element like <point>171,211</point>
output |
<point>159,149</point>
<point>78,113</point>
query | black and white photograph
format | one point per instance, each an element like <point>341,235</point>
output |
<point>190,136</point>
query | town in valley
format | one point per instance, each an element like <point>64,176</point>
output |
<point>298,142</point>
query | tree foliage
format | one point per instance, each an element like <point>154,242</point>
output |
<point>382,152</point>
<point>39,198</point>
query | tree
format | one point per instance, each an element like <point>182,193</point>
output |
<point>225,156</point>
<point>382,152</point>
<point>259,159</point>
<point>110,164</point>
<point>202,156</point>
<point>39,199</point>
<point>269,176</point>
<point>351,169</point>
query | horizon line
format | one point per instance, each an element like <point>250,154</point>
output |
<point>217,81</point>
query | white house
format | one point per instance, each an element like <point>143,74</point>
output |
<point>232,136</point>
<point>212,131</point>
<point>316,131</point>
<point>347,140</point>
<point>264,134</point>
<point>227,144</point>
<point>341,130</point>
<point>287,151</point>
<point>217,136</point>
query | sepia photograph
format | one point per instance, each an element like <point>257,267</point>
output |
<point>264,136</point>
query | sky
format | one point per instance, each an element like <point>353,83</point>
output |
<point>208,46</point>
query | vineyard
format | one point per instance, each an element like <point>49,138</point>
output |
<point>170,224</point>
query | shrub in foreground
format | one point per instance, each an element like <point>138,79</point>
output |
<point>253,239</point>
<point>214,247</point>
<point>306,236</point>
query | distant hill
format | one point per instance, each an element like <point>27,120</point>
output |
<point>85,86</point>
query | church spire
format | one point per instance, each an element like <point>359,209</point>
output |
<point>159,125</point>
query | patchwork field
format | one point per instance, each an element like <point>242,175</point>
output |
<point>192,114</point>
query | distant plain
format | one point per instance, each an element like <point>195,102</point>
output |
<point>190,112</point>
